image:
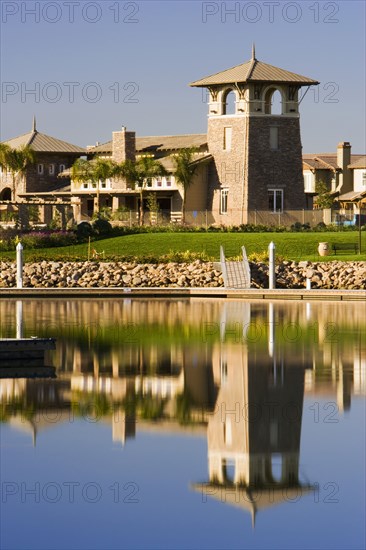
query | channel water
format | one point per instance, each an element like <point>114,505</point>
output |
<point>202,423</point>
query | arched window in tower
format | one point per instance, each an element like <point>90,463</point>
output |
<point>229,103</point>
<point>273,102</point>
<point>5,194</point>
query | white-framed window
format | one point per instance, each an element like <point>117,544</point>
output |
<point>168,181</point>
<point>273,138</point>
<point>40,169</point>
<point>223,370</point>
<point>228,131</point>
<point>363,179</point>
<point>85,185</point>
<point>223,200</point>
<point>51,169</point>
<point>61,168</point>
<point>309,185</point>
<point>159,182</point>
<point>275,200</point>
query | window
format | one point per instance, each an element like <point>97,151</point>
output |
<point>85,185</point>
<point>168,181</point>
<point>309,186</point>
<point>40,169</point>
<point>223,370</point>
<point>228,433</point>
<point>275,200</point>
<point>223,201</point>
<point>273,138</point>
<point>51,169</point>
<point>227,139</point>
<point>364,179</point>
<point>159,182</point>
<point>61,168</point>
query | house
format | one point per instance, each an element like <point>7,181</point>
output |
<point>352,202</point>
<point>250,163</point>
<point>250,160</point>
<point>40,181</point>
<point>343,173</point>
<point>118,195</point>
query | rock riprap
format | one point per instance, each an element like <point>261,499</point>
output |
<point>331,275</point>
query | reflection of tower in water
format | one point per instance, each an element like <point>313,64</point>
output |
<point>254,432</point>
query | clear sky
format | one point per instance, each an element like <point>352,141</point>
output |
<point>86,68</point>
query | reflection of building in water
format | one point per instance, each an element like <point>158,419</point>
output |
<point>254,433</point>
<point>338,373</point>
<point>168,365</point>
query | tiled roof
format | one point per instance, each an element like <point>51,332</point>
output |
<point>360,162</point>
<point>159,143</point>
<point>169,164</point>
<point>170,143</point>
<point>254,71</point>
<point>41,143</point>
<point>352,195</point>
<point>327,161</point>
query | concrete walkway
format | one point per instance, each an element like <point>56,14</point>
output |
<point>186,292</point>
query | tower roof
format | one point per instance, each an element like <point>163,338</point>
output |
<point>254,71</point>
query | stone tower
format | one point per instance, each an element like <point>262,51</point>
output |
<point>257,154</point>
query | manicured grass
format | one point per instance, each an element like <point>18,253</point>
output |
<point>293,246</point>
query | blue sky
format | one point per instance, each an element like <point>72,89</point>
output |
<point>95,66</point>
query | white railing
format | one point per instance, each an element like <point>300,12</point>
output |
<point>246,265</point>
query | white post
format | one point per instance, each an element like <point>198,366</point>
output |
<point>308,283</point>
<point>271,332</point>
<point>19,319</point>
<point>19,265</point>
<point>272,265</point>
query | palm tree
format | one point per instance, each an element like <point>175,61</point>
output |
<point>95,171</point>
<point>140,173</point>
<point>16,161</point>
<point>185,169</point>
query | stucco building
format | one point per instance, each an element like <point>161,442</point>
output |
<point>250,163</point>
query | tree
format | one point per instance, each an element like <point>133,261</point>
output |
<point>139,173</point>
<point>185,169</point>
<point>95,171</point>
<point>324,198</point>
<point>16,161</point>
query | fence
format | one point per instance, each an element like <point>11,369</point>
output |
<point>197,218</point>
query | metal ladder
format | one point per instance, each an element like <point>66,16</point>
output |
<point>235,274</point>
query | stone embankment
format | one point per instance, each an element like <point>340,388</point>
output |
<point>329,275</point>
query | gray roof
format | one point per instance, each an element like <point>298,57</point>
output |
<point>150,144</point>
<point>41,143</point>
<point>327,161</point>
<point>352,195</point>
<point>254,71</point>
<point>360,162</point>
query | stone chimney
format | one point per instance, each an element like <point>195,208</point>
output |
<point>343,160</point>
<point>123,145</point>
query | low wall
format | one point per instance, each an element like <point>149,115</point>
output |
<point>290,275</point>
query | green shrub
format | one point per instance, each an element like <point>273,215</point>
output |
<point>84,230</point>
<point>101,226</point>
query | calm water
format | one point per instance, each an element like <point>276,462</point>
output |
<point>186,424</point>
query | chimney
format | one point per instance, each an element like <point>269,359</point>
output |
<point>343,160</point>
<point>123,145</point>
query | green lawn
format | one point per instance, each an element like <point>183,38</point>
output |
<point>294,246</point>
